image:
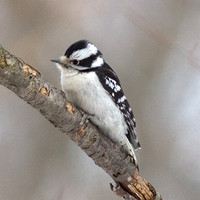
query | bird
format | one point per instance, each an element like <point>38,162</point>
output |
<point>93,87</point>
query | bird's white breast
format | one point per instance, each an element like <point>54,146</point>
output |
<point>85,91</point>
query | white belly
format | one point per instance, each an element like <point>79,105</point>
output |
<point>86,92</point>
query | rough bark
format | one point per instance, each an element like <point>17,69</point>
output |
<point>27,83</point>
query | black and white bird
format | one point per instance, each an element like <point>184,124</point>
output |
<point>92,85</point>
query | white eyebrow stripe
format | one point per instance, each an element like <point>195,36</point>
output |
<point>98,62</point>
<point>84,53</point>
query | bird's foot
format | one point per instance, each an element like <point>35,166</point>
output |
<point>85,118</point>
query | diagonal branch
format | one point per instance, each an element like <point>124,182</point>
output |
<point>27,83</point>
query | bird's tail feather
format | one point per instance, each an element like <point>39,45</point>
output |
<point>129,149</point>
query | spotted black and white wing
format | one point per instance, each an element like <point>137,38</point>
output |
<point>111,84</point>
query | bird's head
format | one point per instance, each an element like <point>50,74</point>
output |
<point>80,56</point>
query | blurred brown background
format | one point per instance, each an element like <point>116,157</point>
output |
<point>154,46</point>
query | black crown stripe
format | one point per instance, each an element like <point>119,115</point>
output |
<point>76,46</point>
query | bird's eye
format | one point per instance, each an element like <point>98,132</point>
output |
<point>75,62</point>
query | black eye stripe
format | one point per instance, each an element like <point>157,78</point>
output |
<point>87,62</point>
<point>75,62</point>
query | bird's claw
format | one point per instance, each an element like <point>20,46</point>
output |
<point>85,118</point>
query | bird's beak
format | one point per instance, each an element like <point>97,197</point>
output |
<point>56,61</point>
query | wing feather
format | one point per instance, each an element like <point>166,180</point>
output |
<point>111,84</point>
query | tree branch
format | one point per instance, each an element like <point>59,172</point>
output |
<point>27,83</point>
